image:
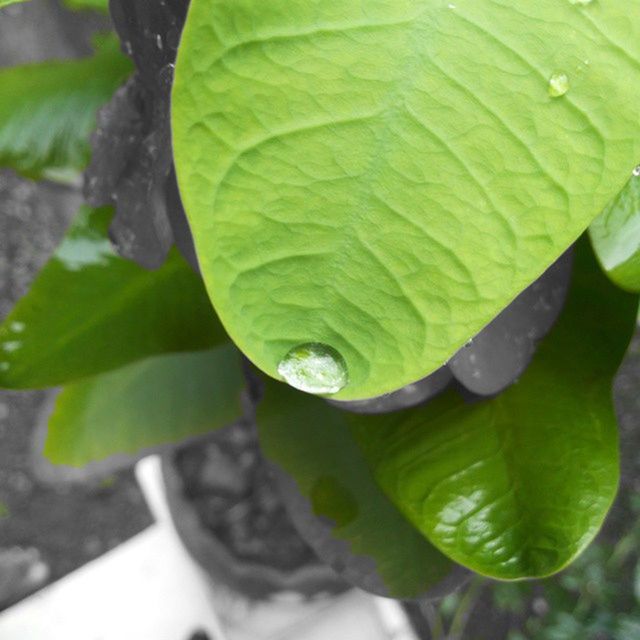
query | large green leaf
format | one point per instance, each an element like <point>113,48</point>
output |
<point>154,402</point>
<point>48,110</point>
<point>616,236</point>
<point>89,311</point>
<point>517,486</point>
<point>359,532</point>
<point>384,177</point>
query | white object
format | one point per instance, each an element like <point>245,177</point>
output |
<point>149,588</point>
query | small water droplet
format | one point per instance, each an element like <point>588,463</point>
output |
<point>636,172</point>
<point>17,327</point>
<point>314,368</point>
<point>11,346</point>
<point>581,3</point>
<point>558,85</point>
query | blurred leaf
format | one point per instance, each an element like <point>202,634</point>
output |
<point>564,627</point>
<point>517,486</point>
<point>636,583</point>
<point>310,441</point>
<point>6,3</point>
<point>511,597</point>
<point>157,401</point>
<point>616,236</point>
<point>90,311</point>
<point>48,110</point>
<point>95,5</point>
<point>449,604</point>
<point>627,627</point>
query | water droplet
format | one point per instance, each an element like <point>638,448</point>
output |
<point>581,3</point>
<point>314,368</point>
<point>636,172</point>
<point>11,346</point>
<point>558,85</point>
<point>17,327</point>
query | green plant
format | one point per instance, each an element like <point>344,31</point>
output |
<point>383,197</point>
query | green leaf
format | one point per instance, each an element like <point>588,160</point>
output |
<point>517,486</point>
<point>157,401</point>
<point>615,235</point>
<point>358,531</point>
<point>384,177</point>
<point>90,311</point>
<point>48,110</point>
<point>95,5</point>
<point>6,3</point>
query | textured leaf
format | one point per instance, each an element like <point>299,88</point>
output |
<point>48,110</point>
<point>616,236</point>
<point>89,311</point>
<point>357,530</point>
<point>517,486</point>
<point>157,401</point>
<point>384,177</point>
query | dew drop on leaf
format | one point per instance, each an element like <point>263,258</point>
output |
<point>11,346</point>
<point>558,85</point>
<point>314,368</point>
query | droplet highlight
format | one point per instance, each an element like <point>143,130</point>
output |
<point>11,346</point>
<point>559,85</point>
<point>314,368</point>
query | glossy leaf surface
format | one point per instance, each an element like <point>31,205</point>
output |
<point>616,236</point>
<point>518,485</point>
<point>384,177</point>
<point>359,532</point>
<point>157,401</point>
<point>48,110</point>
<point>90,311</point>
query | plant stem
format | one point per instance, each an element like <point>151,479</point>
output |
<point>434,620</point>
<point>465,609</point>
